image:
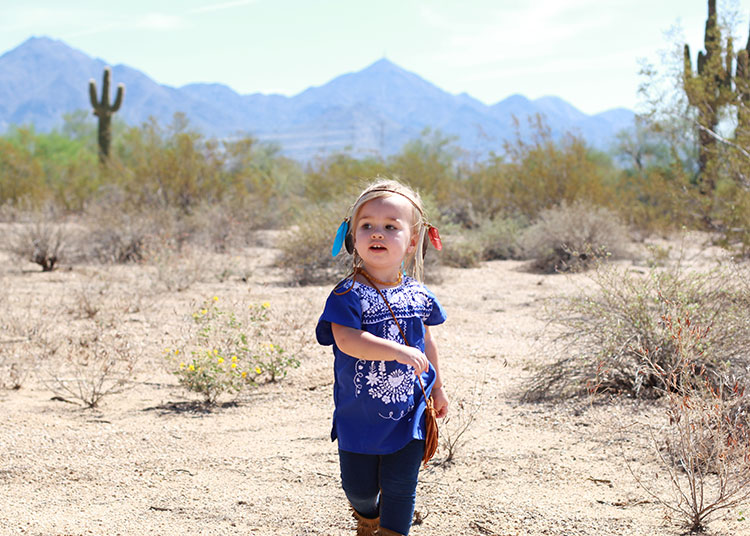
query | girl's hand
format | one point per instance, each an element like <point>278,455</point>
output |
<point>411,356</point>
<point>440,402</point>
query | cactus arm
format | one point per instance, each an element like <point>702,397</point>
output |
<point>92,95</point>
<point>688,65</point>
<point>118,98</point>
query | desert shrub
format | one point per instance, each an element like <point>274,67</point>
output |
<point>428,164</point>
<point>21,175</point>
<point>305,250</point>
<point>177,267</point>
<point>94,364</point>
<point>227,351</point>
<point>574,236</point>
<point>604,332</point>
<point>704,445</point>
<point>121,238</point>
<point>731,216</point>
<point>172,166</point>
<point>490,239</point>
<point>340,176</point>
<point>538,171</point>
<point>42,241</point>
<point>55,166</point>
<point>461,248</point>
<point>120,232</point>
<point>88,299</point>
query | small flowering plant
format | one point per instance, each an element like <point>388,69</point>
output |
<point>228,354</point>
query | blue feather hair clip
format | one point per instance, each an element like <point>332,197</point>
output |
<point>341,233</point>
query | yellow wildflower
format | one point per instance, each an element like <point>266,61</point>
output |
<point>257,370</point>
<point>220,360</point>
<point>204,311</point>
<point>216,298</point>
<point>234,358</point>
<point>191,367</point>
<point>234,365</point>
<point>177,351</point>
<point>266,305</point>
<point>216,352</point>
<point>244,374</point>
<point>182,366</point>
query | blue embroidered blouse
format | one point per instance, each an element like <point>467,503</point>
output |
<point>379,407</point>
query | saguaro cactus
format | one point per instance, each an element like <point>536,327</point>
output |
<point>104,111</point>
<point>708,90</point>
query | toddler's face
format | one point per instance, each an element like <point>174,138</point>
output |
<point>383,234</point>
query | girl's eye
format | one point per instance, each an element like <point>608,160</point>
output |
<point>390,227</point>
<point>366,226</point>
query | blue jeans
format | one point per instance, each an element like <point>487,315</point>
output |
<point>384,485</point>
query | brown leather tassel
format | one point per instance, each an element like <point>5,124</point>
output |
<point>430,432</point>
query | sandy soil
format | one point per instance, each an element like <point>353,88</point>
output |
<point>150,461</point>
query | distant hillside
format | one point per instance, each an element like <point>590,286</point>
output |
<point>370,112</point>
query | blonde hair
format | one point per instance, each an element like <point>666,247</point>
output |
<point>382,187</point>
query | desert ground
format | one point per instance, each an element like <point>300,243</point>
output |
<point>152,460</point>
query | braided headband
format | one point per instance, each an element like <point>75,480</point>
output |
<point>344,236</point>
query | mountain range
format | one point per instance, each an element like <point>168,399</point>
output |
<point>374,111</point>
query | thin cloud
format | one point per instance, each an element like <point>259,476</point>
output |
<point>219,7</point>
<point>160,21</point>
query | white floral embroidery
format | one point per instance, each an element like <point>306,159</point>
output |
<point>390,388</point>
<point>400,415</point>
<point>358,374</point>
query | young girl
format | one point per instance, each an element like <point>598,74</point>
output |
<point>379,405</point>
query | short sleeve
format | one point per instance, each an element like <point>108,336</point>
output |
<point>344,309</point>
<point>437,314</point>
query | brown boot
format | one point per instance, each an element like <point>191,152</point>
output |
<point>387,532</point>
<point>366,526</point>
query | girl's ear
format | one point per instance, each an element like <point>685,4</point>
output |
<point>412,242</point>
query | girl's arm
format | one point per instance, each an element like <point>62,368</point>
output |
<point>364,345</point>
<point>439,398</point>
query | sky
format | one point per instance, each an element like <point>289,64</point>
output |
<point>584,51</point>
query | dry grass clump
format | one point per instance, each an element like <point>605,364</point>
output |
<point>573,237</point>
<point>604,334</point>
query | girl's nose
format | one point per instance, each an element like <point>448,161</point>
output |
<point>376,233</point>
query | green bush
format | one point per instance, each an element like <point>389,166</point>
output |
<point>229,351</point>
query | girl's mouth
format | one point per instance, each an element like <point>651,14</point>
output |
<point>377,247</point>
